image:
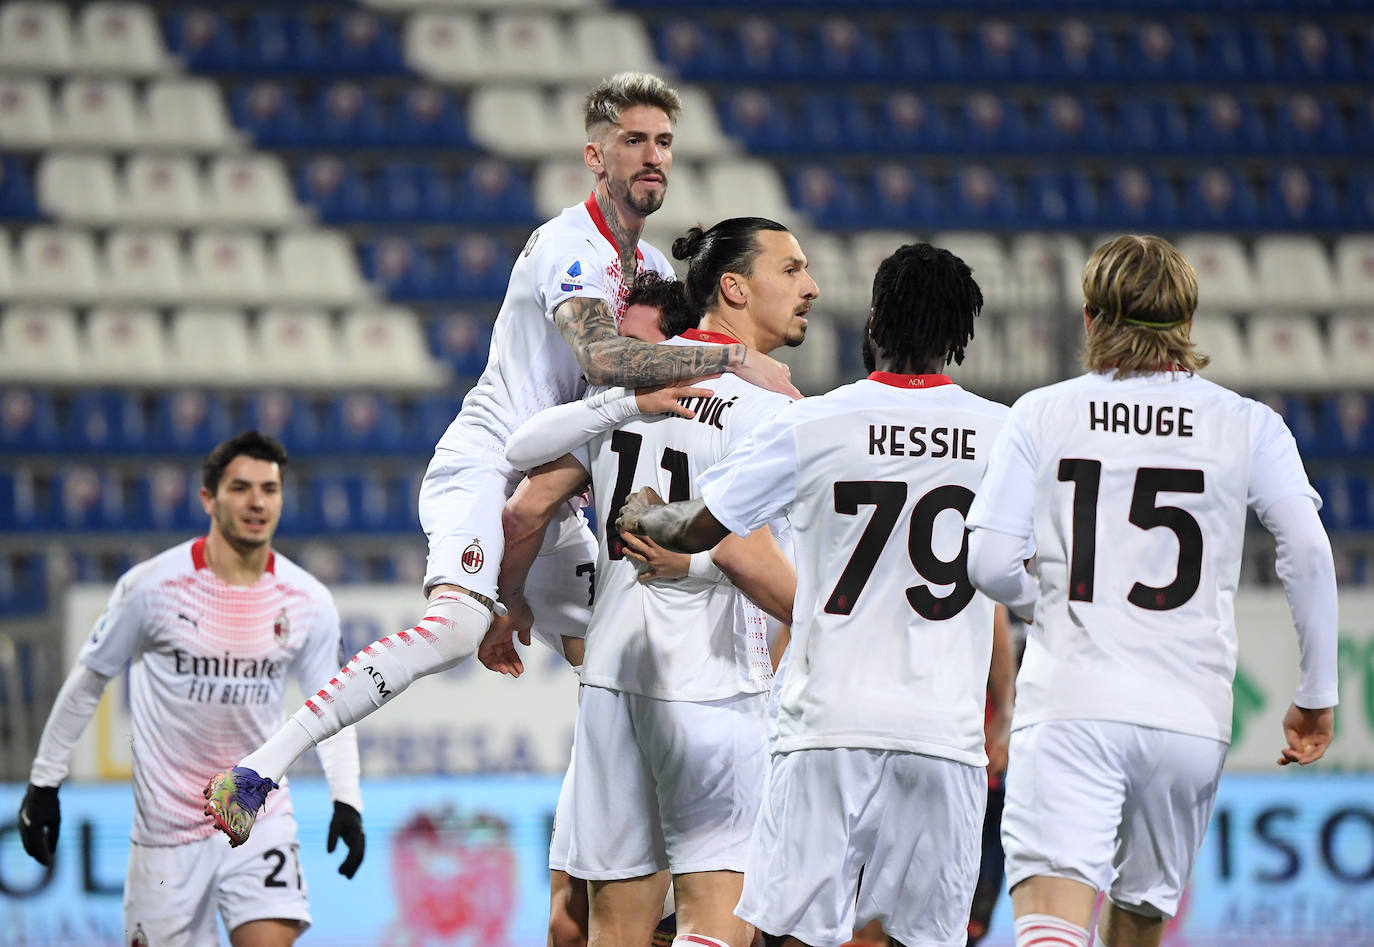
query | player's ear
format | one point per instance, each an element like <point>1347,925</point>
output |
<point>207,500</point>
<point>1087,318</point>
<point>732,289</point>
<point>593,157</point>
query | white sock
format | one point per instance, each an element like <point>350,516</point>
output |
<point>450,632</point>
<point>1097,939</point>
<point>697,940</point>
<point>1046,930</point>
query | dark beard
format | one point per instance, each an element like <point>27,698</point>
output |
<point>645,205</point>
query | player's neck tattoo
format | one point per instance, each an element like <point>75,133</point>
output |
<point>626,237</point>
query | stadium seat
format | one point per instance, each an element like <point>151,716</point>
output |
<point>902,197</point>
<point>997,49</point>
<point>1286,350</point>
<point>761,121</point>
<point>846,49</point>
<point>428,116</point>
<point>227,265</point>
<point>532,46</point>
<point>28,420</point>
<point>512,121</point>
<point>910,123</point>
<point>317,266</point>
<point>835,123</point>
<point>732,185</point>
<point>1225,124</point>
<point>365,423</point>
<point>1050,267</point>
<point>497,192</point>
<point>867,250</point>
<point>1065,123</point>
<point>21,506</point>
<point>1057,199</point>
<point>78,187</point>
<point>1237,53</point>
<point>361,42</point>
<point>39,344</point>
<point>1078,49</point>
<point>406,192</point>
<point>204,40</point>
<point>289,418</point>
<point>761,48</point>
<point>26,119</point>
<point>334,189</point>
<point>992,124</point>
<point>828,197</point>
<point>57,263</point>
<point>168,499</point>
<point>980,197</point>
<point>1359,199</point>
<point>1362,137</point>
<point>1313,51</point>
<point>191,420</point>
<point>250,189</point>
<point>124,346</point>
<point>163,190</point>
<point>1154,50</point>
<point>114,37</point>
<point>185,113</point>
<point>1306,125</point>
<point>566,124</point>
<point>600,38</point>
<point>461,341</point>
<point>7,282</point>
<point>448,47</point>
<point>35,36</point>
<point>278,42</point>
<point>79,499</point>
<point>1293,272</point>
<point>386,347</point>
<point>269,113</point>
<point>143,265</point>
<point>296,347</point>
<point>1029,349</point>
<point>845,293</point>
<point>1355,270</point>
<point>345,114</point>
<point>399,268</point>
<point>814,364</point>
<point>1153,126</point>
<point>1225,279</point>
<point>1216,335</point>
<point>97,112</point>
<point>209,347</point>
<point>913,51</point>
<point>689,48</point>
<point>1217,198</point>
<point>1351,350</point>
<point>474,267</point>
<point>1298,198</point>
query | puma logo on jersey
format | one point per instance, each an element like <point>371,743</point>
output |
<point>709,410</point>
<point>193,622</point>
<point>377,679</point>
<point>1118,418</point>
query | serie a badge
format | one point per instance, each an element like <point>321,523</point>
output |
<point>281,629</point>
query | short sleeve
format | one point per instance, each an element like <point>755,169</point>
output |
<point>118,632</point>
<point>1005,499</point>
<point>756,482</point>
<point>1276,470</point>
<point>565,273</point>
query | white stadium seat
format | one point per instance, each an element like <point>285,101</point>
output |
<point>296,346</point>
<point>251,189</point>
<point>1215,334</point>
<point>1350,354</point>
<point>6,267</point>
<point>39,343</point>
<point>124,345</point>
<point>57,263</point>
<point>185,113</point>
<point>513,121</point>
<point>567,123</point>
<point>209,346</point>
<point>734,186</point>
<point>97,112</point>
<point>26,119</point>
<point>143,265</point>
<point>527,45</point>
<point>386,347</point>
<point>318,266</point>
<point>1355,270</point>
<point>1029,348</point>
<point>611,42</point>
<point>227,266</point>
<point>815,362</point>
<point>162,189</point>
<point>844,295</point>
<point>446,46</point>
<point>1286,350</point>
<point>118,37</point>
<point>77,187</point>
<point>1225,280</point>
<point>560,183</point>
<point>697,133</point>
<point>1051,266</point>
<point>984,364</point>
<point>868,249</point>
<point>35,36</point>
<point>682,205</point>
<point>1292,272</point>
<point>992,270</point>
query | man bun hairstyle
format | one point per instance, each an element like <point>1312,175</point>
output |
<point>247,444</point>
<point>625,90</point>
<point>731,246</point>
<point>924,304</point>
<point>669,297</point>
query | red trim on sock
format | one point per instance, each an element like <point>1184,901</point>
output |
<point>694,939</point>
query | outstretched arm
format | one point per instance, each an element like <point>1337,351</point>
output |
<point>685,526</point>
<point>607,358</point>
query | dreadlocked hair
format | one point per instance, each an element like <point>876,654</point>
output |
<point>669,297</point>
<point>924,304</point>
<point>731,246</point>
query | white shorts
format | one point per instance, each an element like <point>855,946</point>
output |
<point>661,784</point>
<point>1121,807</point>
<point>461,499</point>
<point>561,837</point>
<point>847,836</point>
<point>172,892</point>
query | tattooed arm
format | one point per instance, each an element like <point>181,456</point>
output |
<point>609,359</point>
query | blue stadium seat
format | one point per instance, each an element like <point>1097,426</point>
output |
<point>81,500</point>
<point>1081,50</point>
<point>408,192</point>
<point>1302,421</point>
<point>1152,126</point>
<point>1064,123</point>
<point>365,423</point>
<point>277,42</point>
<point>428,116</point>
<point>167,499</point>
<point>1224,124</point>
<point>1363,135</point>
<point>1237,53</point>
<point>345,113</point>
<point>1308,124</point>
<point>904,198</point>
<point>107,422</point>
<point>1154,50</point>
<point>1314,51</point>
<point>475,267</point>
<point>1359,199</point>
<point>691,49</point>
<point>205,40</point>
<point>992,123</point>
<point>22,507</point>
<point>463,341</point>
<point>981,197</point>
<point>191,421</point>
<point>17,200</point>
<point>1059,199</point>
<point>1217,198</point>
<point>997,49</point>
<point>913,51</point>
<point>334,188</point>
<point>1299,198</point>
<point>1133,199</point>
<point>268,111</point>
<point>1347,425</point>
<point>835,123</point>
<point>911,123</point>
<point>400,268</point>
<point>761,121</point>
<point>361,42</point>
<point>290,418</point>
<point>497,191</point>
<point>353,503</point>
<point>434,413</point>
<point>28,421</point>
<point>828,197</point>
<point>845,49</point>
<point>759,47</point>
<point>23,591</point>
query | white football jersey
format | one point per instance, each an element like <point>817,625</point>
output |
<point>530,366</point>
<point>890,642</point>
<point>687,638</point>
<point>208,666</point>
<point>1134,493</point>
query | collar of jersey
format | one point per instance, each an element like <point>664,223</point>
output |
<point>704,335</point>
<point>910,381</point>
<point>594,209</point>
<point>198,556</point>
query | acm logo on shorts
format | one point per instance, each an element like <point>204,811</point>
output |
<point>473,557</point>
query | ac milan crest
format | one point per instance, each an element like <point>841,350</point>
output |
<point>281,629</point>
<point>473,557</point>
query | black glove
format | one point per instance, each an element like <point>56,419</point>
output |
<point>347,824</point>
<point>39,819</point>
